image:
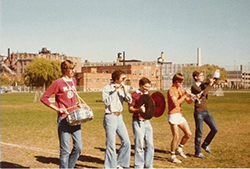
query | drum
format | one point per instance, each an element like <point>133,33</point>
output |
<point>79,116</point>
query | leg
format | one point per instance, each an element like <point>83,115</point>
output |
<point>77,145</point>
<point>174,130</point>
<point>139,132</point>
<point>123,158</point>
<point>209,120</point>
<point>149,145</point>
<point>110,125</point>
<point>198,117</point>
<point>64,140</point>
<point>187,132</point>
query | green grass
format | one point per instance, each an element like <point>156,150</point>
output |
<point>28,123</point>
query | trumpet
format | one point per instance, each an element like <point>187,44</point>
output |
<point>194,97</point>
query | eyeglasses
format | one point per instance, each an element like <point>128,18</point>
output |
<point>123,78</point>
<point>146,86</point>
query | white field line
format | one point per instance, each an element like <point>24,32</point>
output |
<point>31,148</point>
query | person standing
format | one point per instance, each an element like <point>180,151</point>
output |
<point>113,96</point>
<point>201,113</point>
<point>176,95</point>
<point>142,128</point>
<point>64,90</point>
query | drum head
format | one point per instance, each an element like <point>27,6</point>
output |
<point>160,103</point>
<point>149,105</point>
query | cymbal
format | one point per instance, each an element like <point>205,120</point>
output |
<point>149,105</point>
<point>160,103</point>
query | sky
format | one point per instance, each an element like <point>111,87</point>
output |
<point>97,30</point>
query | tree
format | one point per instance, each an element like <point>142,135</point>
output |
<point>42,72</point>
<point>208,71</point>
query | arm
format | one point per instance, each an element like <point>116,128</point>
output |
<point>207,87</point>
<point>107,95</point>
<point>46,95</point>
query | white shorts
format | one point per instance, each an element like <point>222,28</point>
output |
<point>176,118</point>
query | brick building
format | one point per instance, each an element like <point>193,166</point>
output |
<point>18,62</point>
<point>94,78</point>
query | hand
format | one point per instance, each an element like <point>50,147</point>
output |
<point>211,81</point>
<point>143,108</point>
<point>62,110</point>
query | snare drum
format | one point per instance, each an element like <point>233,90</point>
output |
<point>79,116</point>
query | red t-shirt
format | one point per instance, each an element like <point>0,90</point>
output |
<point>64,95</point>
<point>135,102</point>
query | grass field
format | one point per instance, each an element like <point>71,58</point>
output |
<point>29,134</point>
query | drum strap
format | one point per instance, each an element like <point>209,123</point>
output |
<point>80,100</point>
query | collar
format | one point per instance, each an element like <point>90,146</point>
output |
<point>198,83</point>
<point>138,91</point>
<point>67,79</point>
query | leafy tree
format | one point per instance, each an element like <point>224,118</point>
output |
<point>5,80</point>
<point>207,69</point>
<point>42,72</point>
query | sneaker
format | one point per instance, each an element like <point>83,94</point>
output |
<point>206,148</point>
<point>200,155</point>
<point>119,167</point>
<point>173,159</point>
<point>180,152</point>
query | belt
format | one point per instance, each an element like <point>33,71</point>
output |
<point>114,113</point>
<point>138,119</point>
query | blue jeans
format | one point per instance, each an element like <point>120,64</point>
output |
<point>114,124</point>
<point>209,120</point>
<point>67,159</point>
<point>143,132</point>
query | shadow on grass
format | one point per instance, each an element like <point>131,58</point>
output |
<point>5,164</point>
<point>159,158</point>
<point>83,158</point>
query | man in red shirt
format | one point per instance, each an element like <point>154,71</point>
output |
<point>64,90</point>
<point>142,128</point>
<point>176,95</point>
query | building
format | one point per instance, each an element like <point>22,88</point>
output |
<point>94,78</point>
<point>95,75</point>
<point>246,80</point>
<point>16,63</point>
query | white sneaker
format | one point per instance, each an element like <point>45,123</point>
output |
<point>173,159</point>
<point>119,167</point>
<point>180,152</point>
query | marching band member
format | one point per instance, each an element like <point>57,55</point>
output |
<point>142,128</point>
<point>64,98</point>
<point>176,95</point>
<point>113,96</point>
<point>201,113</point>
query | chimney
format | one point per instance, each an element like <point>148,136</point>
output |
<point>123,58</point>
<point>8,52</point>
<point>198,57</point>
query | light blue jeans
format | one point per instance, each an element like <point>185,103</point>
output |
<point>114,125</point>
<point>67,159</point>
<point>143,132</point>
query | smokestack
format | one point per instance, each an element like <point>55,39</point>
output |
<point>8,52</point>
<point>198,57</point>
<point>162,57</point>
<point>123,58</point>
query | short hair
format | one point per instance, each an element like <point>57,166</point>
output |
<point>67,64</point>
<point>144,80</point>
<point>178,77</point>
<point>196,73</point>
<point>116,74</point>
